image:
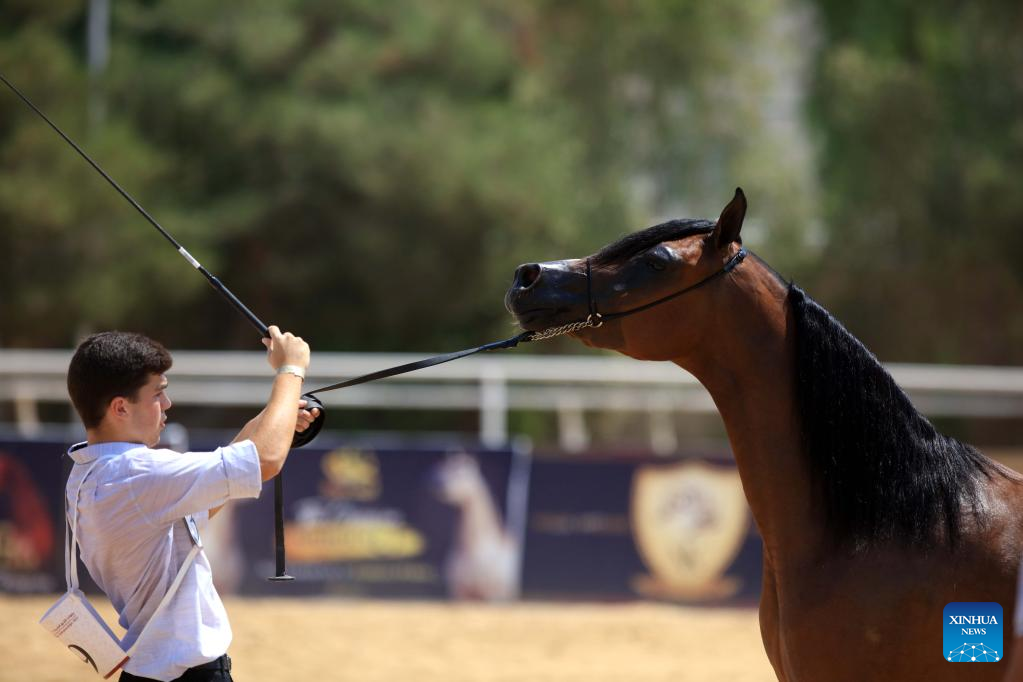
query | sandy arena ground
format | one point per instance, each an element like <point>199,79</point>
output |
<point>373,641</point>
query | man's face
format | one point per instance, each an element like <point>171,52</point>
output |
<point>146,415</point>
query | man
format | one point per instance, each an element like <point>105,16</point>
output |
<point>138,506</point>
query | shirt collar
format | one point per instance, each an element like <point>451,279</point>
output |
<point>83,453</point>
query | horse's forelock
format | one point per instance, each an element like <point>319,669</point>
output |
<point>634,243</point>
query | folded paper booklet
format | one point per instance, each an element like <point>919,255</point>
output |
<point>75,622</point>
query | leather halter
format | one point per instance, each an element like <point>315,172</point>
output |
<point>593,320</point>
<point>739,256</point>
<point>596,319</point>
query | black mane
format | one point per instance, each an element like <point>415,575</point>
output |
<point>886,475</point>
<point>636,242</point>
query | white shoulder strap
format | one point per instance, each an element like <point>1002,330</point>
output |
<point>71,563</point>
<point>71,553</point>
<point>167,597</point>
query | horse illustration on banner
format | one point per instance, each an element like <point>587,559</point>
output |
<point>484,559</point>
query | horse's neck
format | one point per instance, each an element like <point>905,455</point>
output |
<point>748,368</point>
<point>479,517</point>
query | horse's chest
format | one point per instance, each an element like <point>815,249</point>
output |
<point>844,622</point>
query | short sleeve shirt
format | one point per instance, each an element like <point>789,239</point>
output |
<point>134,538</point>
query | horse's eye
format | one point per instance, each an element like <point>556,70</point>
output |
<point>654,263</point>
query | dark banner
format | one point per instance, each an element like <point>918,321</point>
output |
<point>31,516</point>
<point>397,521</point>
<point>400,520</point>
<point>423,520</point>
<point>640,526</point>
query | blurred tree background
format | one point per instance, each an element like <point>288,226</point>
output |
<point>370,174</point>
<point>919,112</point>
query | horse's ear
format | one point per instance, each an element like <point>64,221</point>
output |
<point>730,223</point>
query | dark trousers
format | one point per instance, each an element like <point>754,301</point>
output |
<point>214,671</point>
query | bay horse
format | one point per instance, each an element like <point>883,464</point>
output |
<point>871,520</point>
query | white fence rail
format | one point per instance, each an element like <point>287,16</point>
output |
<point>493,385</point>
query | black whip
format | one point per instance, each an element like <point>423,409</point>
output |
<point>300,439</point>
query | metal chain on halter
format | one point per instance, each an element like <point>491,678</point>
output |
<point>593,320</point>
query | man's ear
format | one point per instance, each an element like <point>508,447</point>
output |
<point>730,223</point>
<point>118,407</point>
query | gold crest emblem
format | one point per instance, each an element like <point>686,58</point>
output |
<point>689,521</point>
<point>350,474</point>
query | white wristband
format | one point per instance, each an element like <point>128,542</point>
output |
<point>292,369</point>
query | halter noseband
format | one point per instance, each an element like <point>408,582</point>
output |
<point>596,319</point>
<point>592,321</point>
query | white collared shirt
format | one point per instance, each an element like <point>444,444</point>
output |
<point>133,540</point>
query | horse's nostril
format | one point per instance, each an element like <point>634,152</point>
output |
<point>527,275</point>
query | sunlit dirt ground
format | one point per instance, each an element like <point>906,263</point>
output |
<point>374,641</point>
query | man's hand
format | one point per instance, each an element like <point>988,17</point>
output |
<point>286,349</point>
<point>276,426</point>
<point>305,417</point>
<point>304,421</point>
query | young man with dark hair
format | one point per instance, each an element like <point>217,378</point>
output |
<point>140,509</point>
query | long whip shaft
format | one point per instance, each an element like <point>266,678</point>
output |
<point>210,277</point>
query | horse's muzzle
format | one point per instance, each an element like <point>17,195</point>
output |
<point>546,294</point>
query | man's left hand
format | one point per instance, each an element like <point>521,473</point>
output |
<point>305,417</point>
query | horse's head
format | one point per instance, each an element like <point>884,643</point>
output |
<point>633,272</point>
<point>457,479</point>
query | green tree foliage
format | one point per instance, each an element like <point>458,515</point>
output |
<point>70,254</point>
<point>369,174</point>
<point>681,101</point>
<point>920,111</point>
<point>350,171</point>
